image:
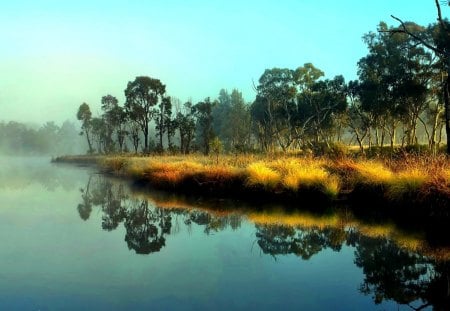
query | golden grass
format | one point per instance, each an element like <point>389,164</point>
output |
<point>260,174</point>
<point>373,172</point>
<point>396,180</point>
<point>407,182</point>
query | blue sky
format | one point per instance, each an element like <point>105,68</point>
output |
<point>54,55</point>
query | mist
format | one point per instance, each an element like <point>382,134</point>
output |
<point>49,139</point>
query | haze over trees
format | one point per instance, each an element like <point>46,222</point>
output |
<point>48,139</point>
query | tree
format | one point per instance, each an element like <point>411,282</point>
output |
<point>110,106</point>
<point>99,134</point>
<point>238,123</point>
<point>220,114</point>
<point>358,121</point>
<point>441,46</point>
<point>85,116</point>
<point>277,92</point>
<point>142,95</point>
<point>319,103</point>
<point>163,120</point>
<point>394,79</point>
<point>185,122</point>
<point>203,111</point>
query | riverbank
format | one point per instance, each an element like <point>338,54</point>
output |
<point>410,185</point>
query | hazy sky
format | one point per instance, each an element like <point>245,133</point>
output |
<point>56,54</point>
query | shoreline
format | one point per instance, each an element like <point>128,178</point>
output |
<point>416,190</point>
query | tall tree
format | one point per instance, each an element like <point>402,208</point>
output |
<point>277,91</point>
<point>163,119</point>
<point>85,116</point>
<point>238,122</point>
<point>203,111</point>
<point>142,95</point>
<point>441,46</point>
<point>220,114</point>
<point>185,122</point>
<point>394,81</point>
<point>109,105</point>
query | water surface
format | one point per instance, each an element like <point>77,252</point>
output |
<point>73,239</point>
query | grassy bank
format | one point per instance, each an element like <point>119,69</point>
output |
<point>418,182</point>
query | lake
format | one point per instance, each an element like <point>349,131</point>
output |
<point>74,239</point>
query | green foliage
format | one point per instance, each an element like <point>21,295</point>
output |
<point>203,112</point>
<point>142,95</point>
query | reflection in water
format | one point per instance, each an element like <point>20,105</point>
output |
<point>303,242</point>
<point>391,272</point>
<point>402,275</point>
<point>146,225</point>
<point>18,173</point>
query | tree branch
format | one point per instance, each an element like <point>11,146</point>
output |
<point>405,30</point>
<point>438,7</point>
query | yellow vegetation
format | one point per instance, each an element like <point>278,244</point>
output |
<point>407,182</point>
<point>373,172</point>
<point>259,174</point>
<point>399,179</point>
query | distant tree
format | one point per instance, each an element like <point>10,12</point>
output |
<point>185,123</point>
<point>99,134</point>
<point>109,106</point>
<point>203,111</point>
<point>239,122</point>
<point>133,129</point>
<point>142,95</point>
<point>85,116</point>
<point>68,138</point>
<point>220,114</point>
<point>47,138</point>
<point>163,120</point>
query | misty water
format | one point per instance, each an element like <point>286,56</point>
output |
<point>74,239</point>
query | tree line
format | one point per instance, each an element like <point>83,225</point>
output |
<point>401,88</point>
<point>17,138</point>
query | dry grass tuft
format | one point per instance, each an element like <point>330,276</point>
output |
<point>259,174</point>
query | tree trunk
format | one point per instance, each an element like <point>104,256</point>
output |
<point>146,138</point>
<point>89,142</point>
<point>447,107</point>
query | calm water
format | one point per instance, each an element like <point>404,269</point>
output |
<point>72,239</point>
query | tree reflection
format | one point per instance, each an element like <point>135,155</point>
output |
<point>213,223</point>
<point>85,208</point>
<point>390,272</point>
<point>146,226</point>
<point>406,277</point>
<point>303,242</point>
